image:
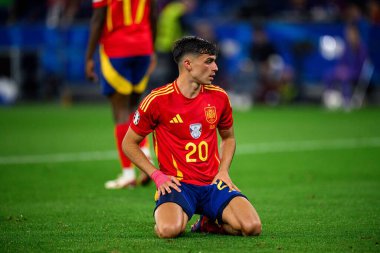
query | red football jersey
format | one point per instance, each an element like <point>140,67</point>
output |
<point>185,130</point>
<point>127,30</point>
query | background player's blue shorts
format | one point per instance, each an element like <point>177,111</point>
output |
<point>209,200</point>
<point>128,70</point>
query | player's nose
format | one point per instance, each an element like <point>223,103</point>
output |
<point>215,67</point>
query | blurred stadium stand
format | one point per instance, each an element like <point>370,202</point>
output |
<point>47,61</point>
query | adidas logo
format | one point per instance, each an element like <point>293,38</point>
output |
<point>176,119</point>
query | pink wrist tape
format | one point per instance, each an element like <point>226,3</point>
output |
<point>159,178</point>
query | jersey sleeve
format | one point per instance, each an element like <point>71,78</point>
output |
<point>99,3</point>
<point>226,120</point>
<point>145,119</point>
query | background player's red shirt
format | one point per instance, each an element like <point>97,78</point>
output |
<point>127,30</point>
<point>185,130</point>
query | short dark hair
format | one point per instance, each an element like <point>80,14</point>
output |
<point>192,45</point>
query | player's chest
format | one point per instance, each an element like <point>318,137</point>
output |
<point>193,120</point>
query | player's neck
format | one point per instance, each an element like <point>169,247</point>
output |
<point>188,88</point>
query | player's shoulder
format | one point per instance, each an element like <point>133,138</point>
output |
<point>169,86</point>
<point>212,88</point>
<point>155,95</point>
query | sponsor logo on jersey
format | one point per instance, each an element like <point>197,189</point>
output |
<point>210,112</point>
<point>136,118</point>
<point>177,119</point>
<point>196,130</point>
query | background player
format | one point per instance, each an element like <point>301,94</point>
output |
<point>124,31</point>
<point>193,178</point>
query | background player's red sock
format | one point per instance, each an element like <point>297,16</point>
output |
<point>120,131</point>
<point>128,177</point>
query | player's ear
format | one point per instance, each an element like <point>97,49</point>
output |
<point>186,64</point>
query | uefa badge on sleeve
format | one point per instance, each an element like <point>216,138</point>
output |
<point>136,118</point>
<point>196,130</point>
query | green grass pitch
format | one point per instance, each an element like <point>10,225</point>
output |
<point>313,176</point>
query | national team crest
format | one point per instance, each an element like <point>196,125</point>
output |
<point>210,113</point>
<point>196,130</point>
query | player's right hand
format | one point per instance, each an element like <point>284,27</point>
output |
<point>166,187</point>
<point>90,70</point>
<point>164,183</point>
<point>153,64</point>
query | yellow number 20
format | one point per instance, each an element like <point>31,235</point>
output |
<point>202,149</point>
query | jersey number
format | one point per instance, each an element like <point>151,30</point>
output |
<point>127,9</point>
<point>201,149</point>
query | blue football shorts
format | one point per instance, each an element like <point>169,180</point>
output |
<point>209,200</point>
<point>125,75</point>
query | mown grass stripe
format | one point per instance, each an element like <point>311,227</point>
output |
<point>242,149</point>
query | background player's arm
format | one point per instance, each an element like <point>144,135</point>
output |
<point>153,15</point>
<point>132,149</point>
<point>227,146</point>
<point>96,29</point>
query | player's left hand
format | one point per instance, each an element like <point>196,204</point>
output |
<point>225,177</point>
<point>90,70</point>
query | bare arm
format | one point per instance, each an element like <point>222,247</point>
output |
<point>132,150</point>
<point>228,146</point>
<point>96,28</point>
<point>153,25</point>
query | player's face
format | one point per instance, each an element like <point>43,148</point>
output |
<point>204,68</point>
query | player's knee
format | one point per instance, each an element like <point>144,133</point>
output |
<point>169,230</point>
<point>251,228</point>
